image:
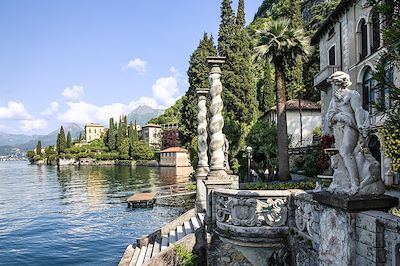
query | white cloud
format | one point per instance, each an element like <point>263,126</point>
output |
<point>83,112</point>
<point>29,125</point>
<point>174,71</point>
<point>73,94</point>
<point>15,111</point>
<point>165,90</point>
<point>53,108</point>
<point>137,64</point>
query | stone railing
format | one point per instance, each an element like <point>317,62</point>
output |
<point>251,214</point>
<point>306,216</point>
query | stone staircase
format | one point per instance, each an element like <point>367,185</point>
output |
<point>150,246</point>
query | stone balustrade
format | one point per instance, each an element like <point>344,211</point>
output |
<point>251,214</point>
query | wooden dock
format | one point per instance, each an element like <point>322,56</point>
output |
<point>142,200</point>
<point>147,199</point>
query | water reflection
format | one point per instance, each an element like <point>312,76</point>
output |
<point>76,216</point>
<point>173,175</point>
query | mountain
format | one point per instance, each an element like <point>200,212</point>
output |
<point>142,114</point>
<point>26,142</point>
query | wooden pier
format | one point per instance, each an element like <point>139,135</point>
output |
<point>142,200</point>
<point>147,199</point>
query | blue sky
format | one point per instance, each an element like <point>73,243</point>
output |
<point>87,60</point>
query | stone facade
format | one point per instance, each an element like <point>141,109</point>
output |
<point>151,134</point>
<point>174,157</point>
<point>93,131</point>
<point>350,40</point>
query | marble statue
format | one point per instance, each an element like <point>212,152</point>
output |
<point>356,172</point>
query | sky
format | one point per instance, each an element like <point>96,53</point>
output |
<point>80,61</point>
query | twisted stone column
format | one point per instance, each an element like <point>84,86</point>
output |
<point>217,167</point>
<point>202,165</point>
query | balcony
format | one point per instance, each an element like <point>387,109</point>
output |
<point>320,80</point>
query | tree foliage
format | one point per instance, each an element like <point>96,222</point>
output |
<point>61,142</point>
<point>170,138</point>
<point>284,45</point>
<point>39,148</point>
<point>198,78</point>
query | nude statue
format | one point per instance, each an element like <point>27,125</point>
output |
<point>350,124</point>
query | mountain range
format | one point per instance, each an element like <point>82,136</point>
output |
<point>142,114</point>
<point>11,142</point>
<point>28,142</point>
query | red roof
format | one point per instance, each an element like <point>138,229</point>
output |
<point>174,149</point>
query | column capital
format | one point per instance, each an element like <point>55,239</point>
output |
<point>202,91</point>
<point>215,60</point>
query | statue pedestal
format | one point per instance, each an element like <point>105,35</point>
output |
<point>356,203</point>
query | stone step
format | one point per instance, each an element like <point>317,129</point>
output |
<point>142,254</point>
<point>135,257</point>
<point>172,237</point>
<point>180,233</point>
<point>195,223</point>
<point>164,242</point>
<point>149,251</point>
<point>156,249</point>
<point>126,258</point>
<point>188,227</point>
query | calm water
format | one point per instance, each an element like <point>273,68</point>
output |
<point>72,216</point>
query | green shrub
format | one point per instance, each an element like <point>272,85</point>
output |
<point>185,257</point>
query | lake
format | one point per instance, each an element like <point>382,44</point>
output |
<point>75,216</point>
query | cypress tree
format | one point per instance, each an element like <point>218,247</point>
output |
<point>226,31</point>
<point>39,148</point>
<point>61,142</point>
<point>111,135</point>
<point>266,90</point>
<point>69,140</point>
<point>239,95</point>
<point>198,78</point>
<point>120,134</point>
<point>294,73</point>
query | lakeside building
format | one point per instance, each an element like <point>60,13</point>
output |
<point>350,40</point>
<point>174,157</point>
<point>151,134</point>
<point>93,131</point>
<point>310,118</point>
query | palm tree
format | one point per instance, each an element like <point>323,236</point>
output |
<point>282,44</point>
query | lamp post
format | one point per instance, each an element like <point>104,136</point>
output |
<point>249,151</point>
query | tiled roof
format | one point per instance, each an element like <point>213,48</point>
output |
<point>305,105</point>
<point>174,149</point>
<point>152,125</point>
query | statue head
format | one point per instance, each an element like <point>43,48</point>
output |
<point>341,79</point>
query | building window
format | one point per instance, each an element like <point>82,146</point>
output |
<point>90,131</point>
<point>386,92</point>
<point>369,85</point>
<point>332,56</point>
<point>376,32</point>
<point>364,39</point>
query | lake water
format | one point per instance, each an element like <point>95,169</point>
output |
<point>74,216</point>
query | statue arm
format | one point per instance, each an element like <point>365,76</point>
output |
<point>331,112</point>
<point>361,116</point>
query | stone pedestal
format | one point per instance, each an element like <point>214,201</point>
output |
<point>356,203</point>
<point>338,224</point>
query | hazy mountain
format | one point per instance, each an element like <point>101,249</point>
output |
<point>26,142</point>
<point>142,114</point>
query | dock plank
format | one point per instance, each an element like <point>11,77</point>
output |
<point>139,199</point>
